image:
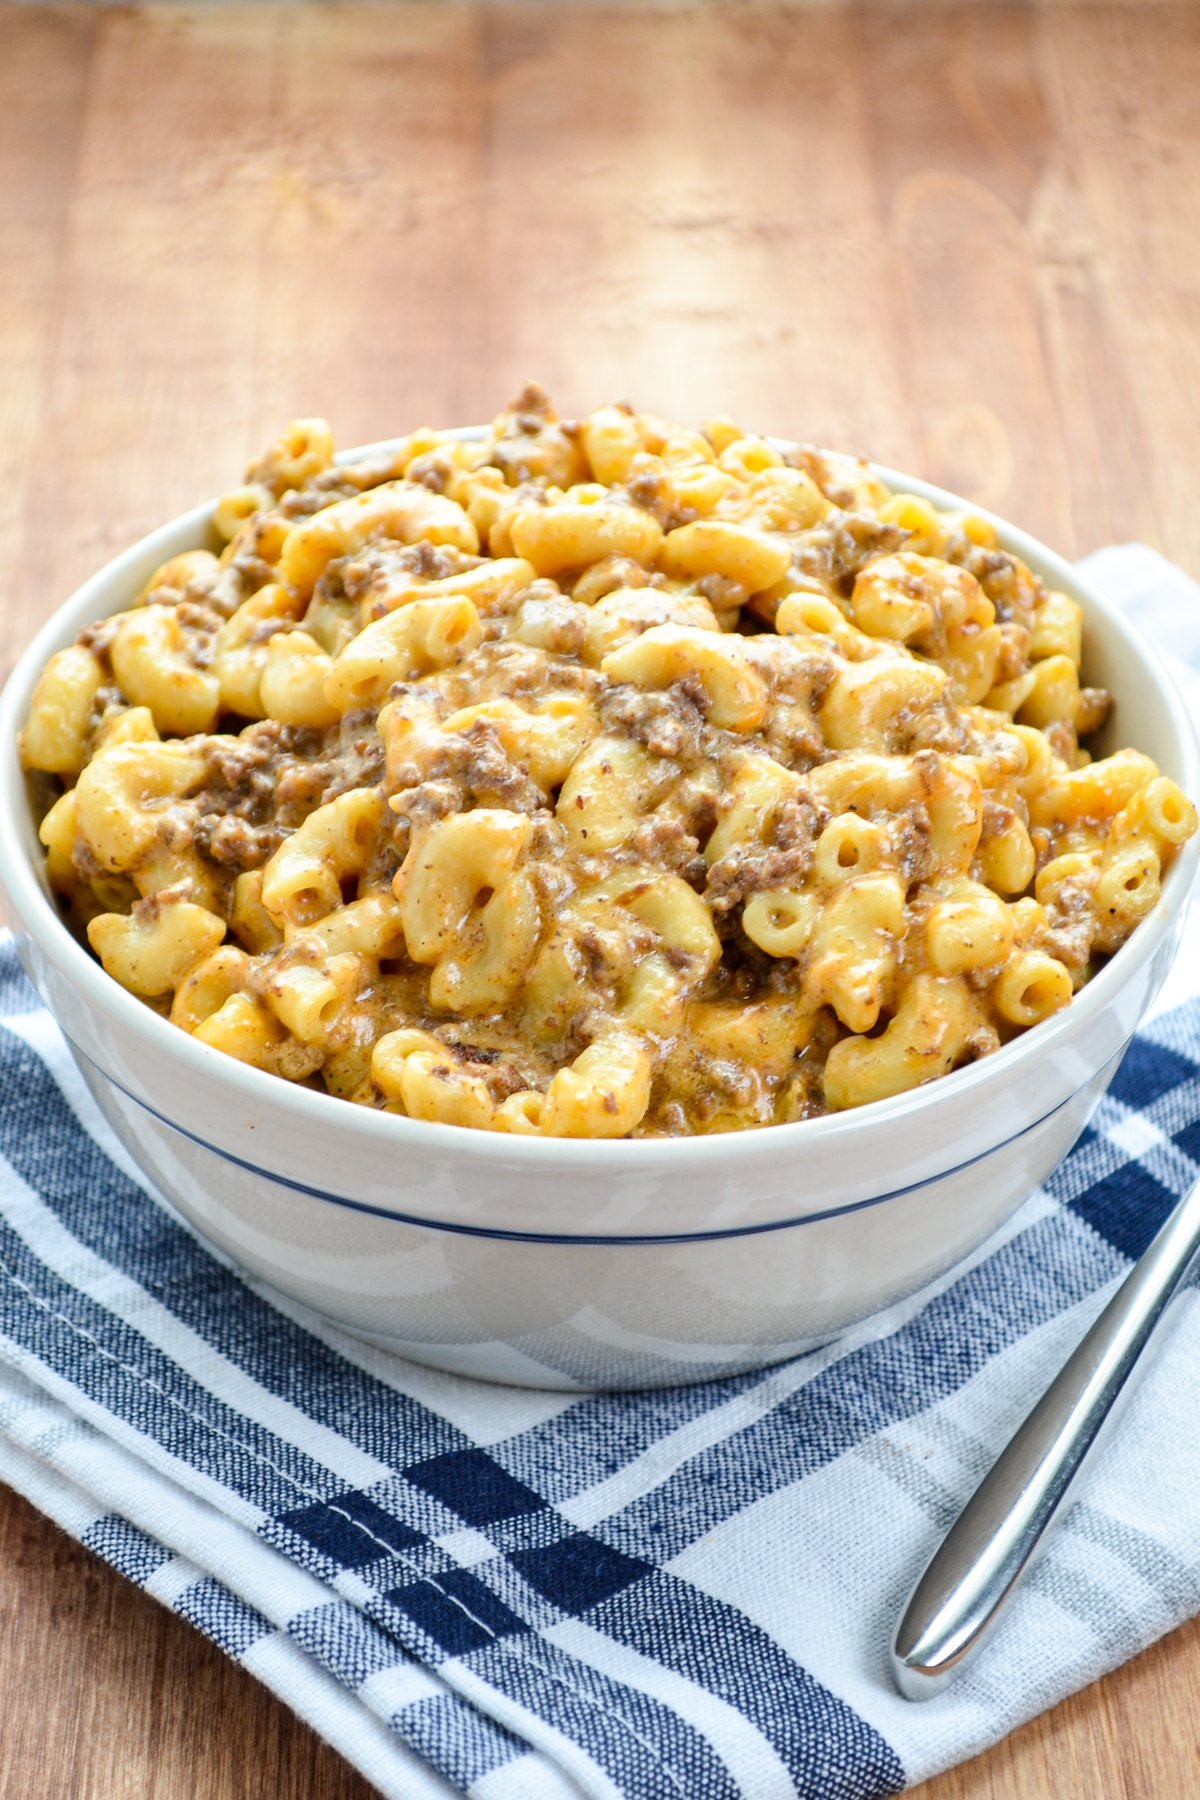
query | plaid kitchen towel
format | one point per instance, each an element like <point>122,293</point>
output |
<point>682,1594</point>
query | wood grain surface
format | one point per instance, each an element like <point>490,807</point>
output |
<point>963,238</point>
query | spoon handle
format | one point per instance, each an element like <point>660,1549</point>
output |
<point>990,1545</point>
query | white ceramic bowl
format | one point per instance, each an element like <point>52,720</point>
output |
<point>565,1264</point>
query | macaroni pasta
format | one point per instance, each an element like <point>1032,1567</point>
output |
<point>593,779</point>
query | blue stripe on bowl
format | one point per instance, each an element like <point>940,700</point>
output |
<point>557,1237</point>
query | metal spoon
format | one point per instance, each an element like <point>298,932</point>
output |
<point>990,1546</point>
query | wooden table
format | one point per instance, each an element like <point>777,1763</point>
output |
<point>965,239</point>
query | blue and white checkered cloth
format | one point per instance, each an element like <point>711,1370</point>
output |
<point>522,1596</point>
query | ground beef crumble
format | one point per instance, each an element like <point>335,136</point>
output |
<point>259,786</point>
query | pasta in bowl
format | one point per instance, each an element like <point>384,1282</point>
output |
<point>613,787</point>
<point>594,779</point>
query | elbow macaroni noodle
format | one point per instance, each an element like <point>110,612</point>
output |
<point>592,780</point>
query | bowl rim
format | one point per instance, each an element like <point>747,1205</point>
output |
<point>29,901</point>
<point>512,1233</point>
